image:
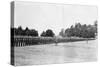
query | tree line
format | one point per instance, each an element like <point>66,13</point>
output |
<point>31,32</point>
<point>84,31</point>
<point>79,30</point>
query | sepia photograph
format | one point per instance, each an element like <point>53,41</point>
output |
<point>53,33</point>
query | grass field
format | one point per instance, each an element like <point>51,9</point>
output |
<point>80,51</point>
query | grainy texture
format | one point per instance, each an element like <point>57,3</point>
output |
<point>50,53</point>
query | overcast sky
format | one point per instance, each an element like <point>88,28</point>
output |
<point>43,16</point>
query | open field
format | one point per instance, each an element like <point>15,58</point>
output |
<point>49,54</point>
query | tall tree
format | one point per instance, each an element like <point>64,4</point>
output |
<point>27,32</point>
<point>19,31</point>
<point>43,34</point>
<point>49,33</point>
<point>62,33</point>
<point>33,32</point>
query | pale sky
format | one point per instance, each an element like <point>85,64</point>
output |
<point>43,16</point>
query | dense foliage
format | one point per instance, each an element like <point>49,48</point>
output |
<point>84,31</point>
<point>79,30</point>
<point>48,33</point>
<point>27,32</point>
<point>31,32</point>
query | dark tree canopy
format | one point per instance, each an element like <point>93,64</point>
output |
<point>27,32</point>
<point>33,32</point>
<point>43,34</point>
<point>49,33</point>
<point>85,31</point>
<point>79,30</point>
<point>19,31</point>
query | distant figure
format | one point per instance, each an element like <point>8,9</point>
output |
<point>87,40</point>
<point>56,42</point>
